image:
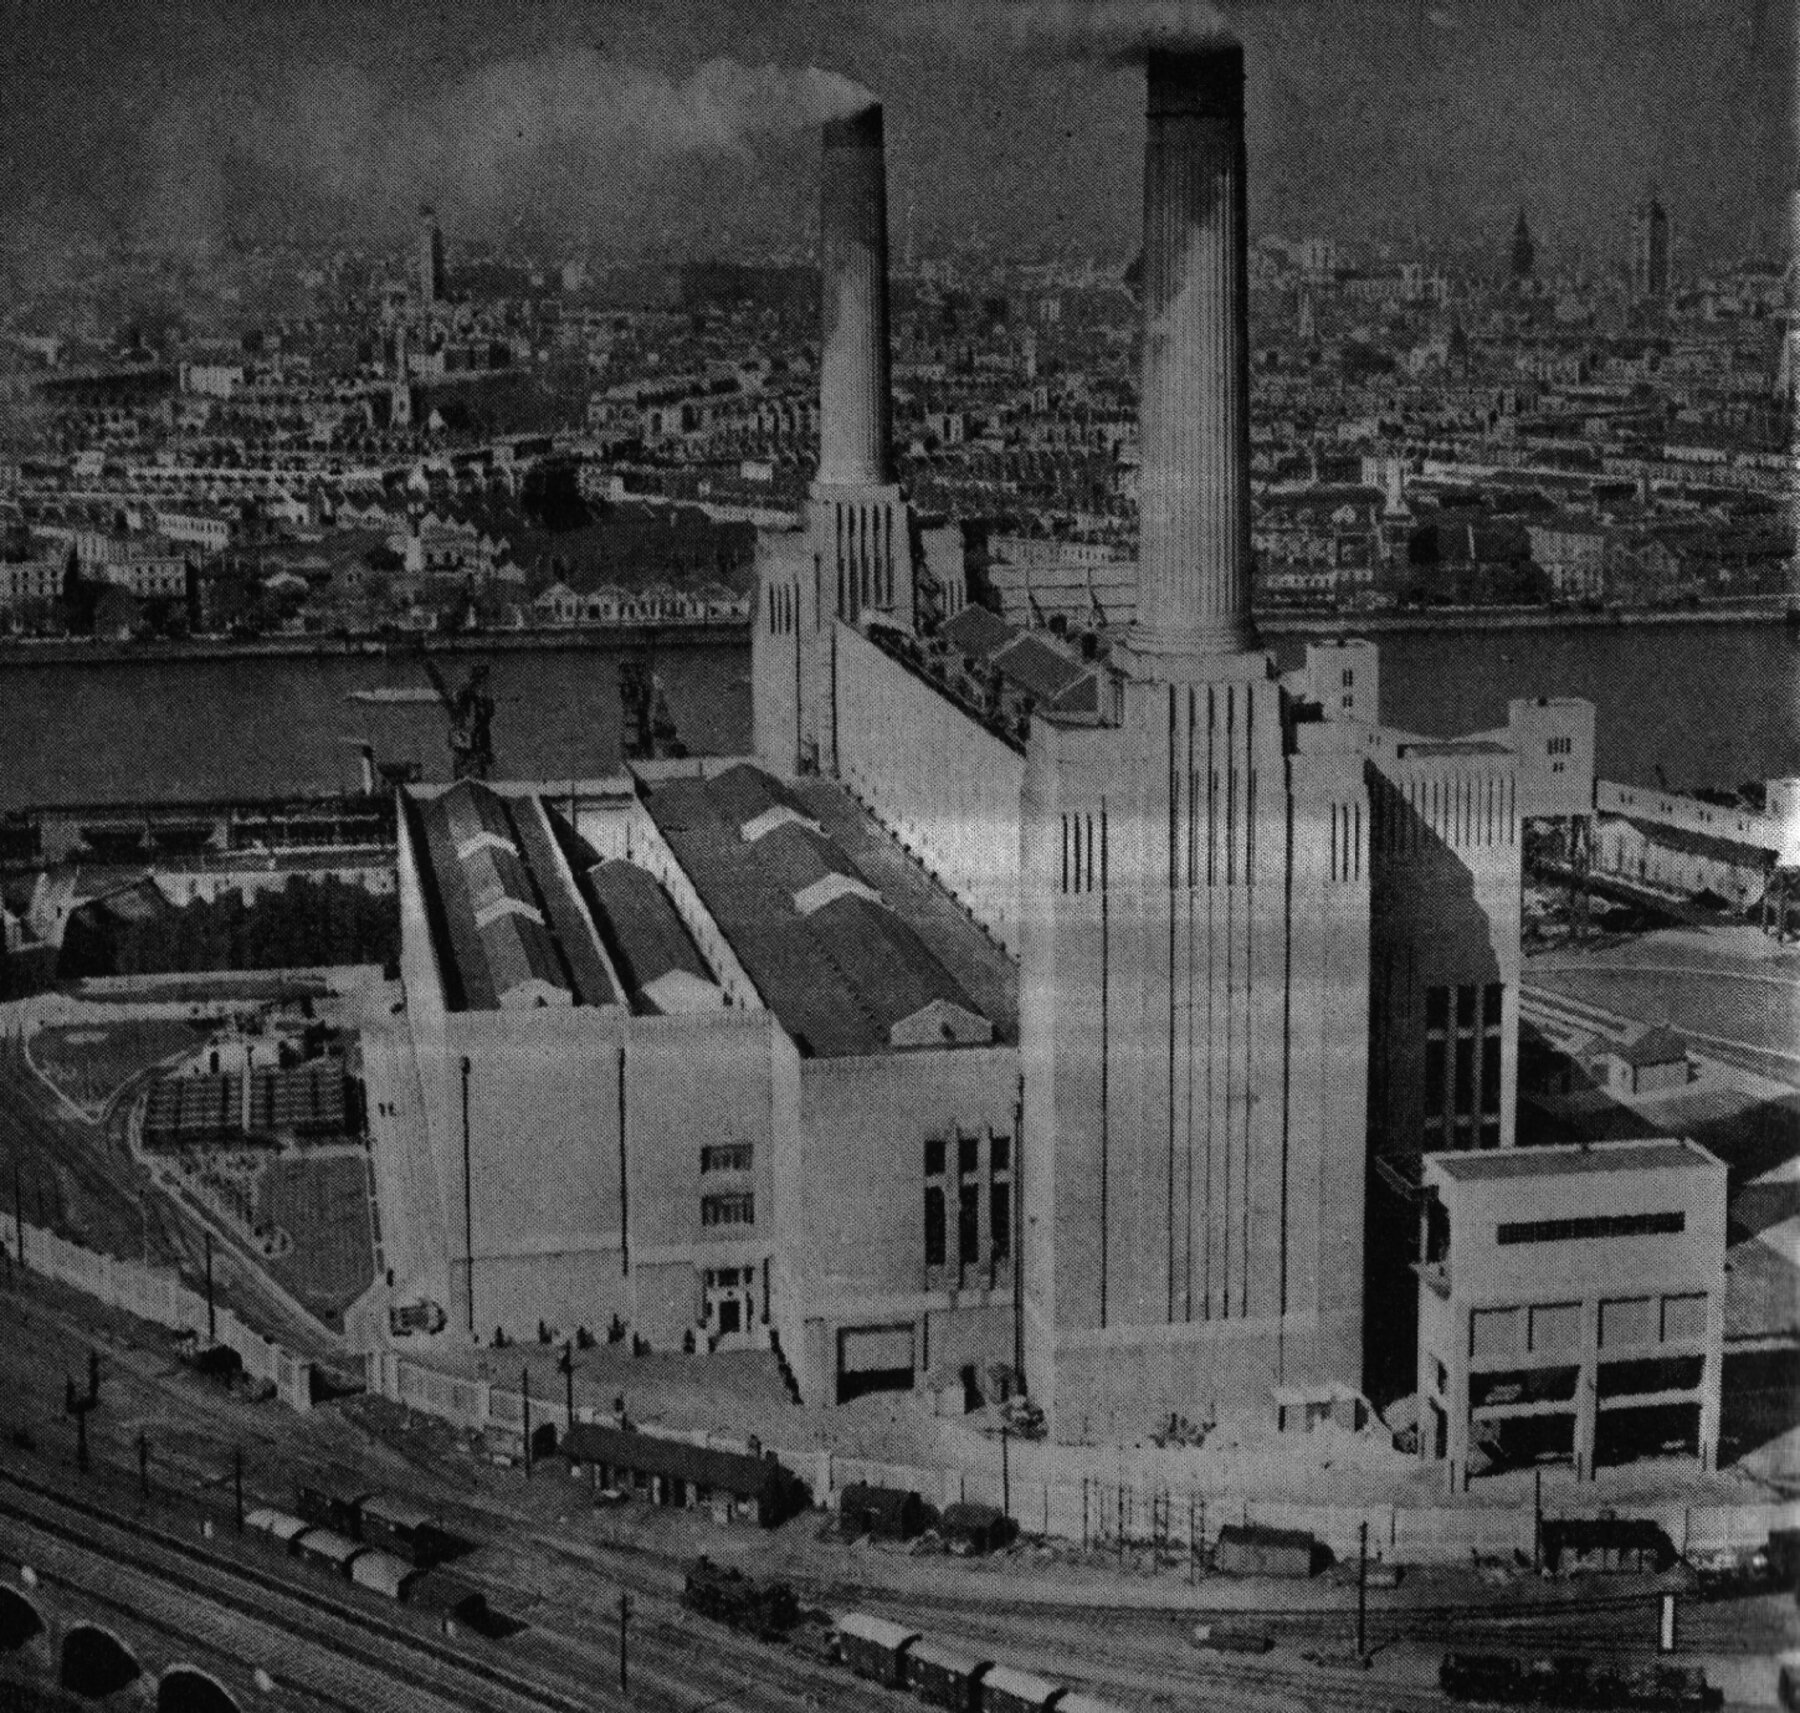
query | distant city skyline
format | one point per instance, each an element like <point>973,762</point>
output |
<point>617,129</point>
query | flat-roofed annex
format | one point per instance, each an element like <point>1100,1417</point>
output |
<point>1656,1154</point>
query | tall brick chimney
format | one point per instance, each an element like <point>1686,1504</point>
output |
<point>855,404</point>
<point>1194,477</point>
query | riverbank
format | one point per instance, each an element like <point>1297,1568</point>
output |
<point>1510,618</point>
<point>86,651</point>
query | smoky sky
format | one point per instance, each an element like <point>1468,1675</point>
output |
<point>647,127</point>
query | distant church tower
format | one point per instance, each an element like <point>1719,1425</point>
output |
<point>1194,982</point>
<point>431,259</point>
<point>1650,252</point>
<point>1524,250</point>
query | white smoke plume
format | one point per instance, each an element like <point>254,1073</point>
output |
<point>568,129</point>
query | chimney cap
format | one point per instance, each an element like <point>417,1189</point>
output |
<point>1198,82</point>
<point>862,129</point>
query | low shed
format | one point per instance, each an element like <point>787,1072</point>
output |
<point>976,1528</point>
<point>1244,1549</point>
<point>885,1512</point>
<point>675,1472</point>
<point>1606,1543</point>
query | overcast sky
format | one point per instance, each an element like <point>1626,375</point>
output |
<point>607,122</point>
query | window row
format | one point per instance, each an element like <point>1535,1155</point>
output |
<point>727,1157</point>
<point>968,1155</point>
<point>973,1188</point>
<point>737,1208</point>
<point>970,1249</point>
<point>1589,1226</point>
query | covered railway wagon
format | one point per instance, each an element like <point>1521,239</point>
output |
<point>1575,1681</point>
<point>327,1549</point>
<point>945,1677</point>
<point>949,1677</point>
<point>377,1519</point>
<point>875,1647</point>
<point>1006,1690</point>
<point>320,1506</point>
<point>384,1573</point>
<point>407,1530</point>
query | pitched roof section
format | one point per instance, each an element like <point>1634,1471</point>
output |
<point>847,977</point>
<point>978,632</point>
<point>509,922</point>
<point>1037,668</point>
<point>649,943</point>
<point>743,793</point>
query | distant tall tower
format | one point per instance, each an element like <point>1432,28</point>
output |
<point>1524,250</point>
<point>431,259</point>
<point>1650,251</point>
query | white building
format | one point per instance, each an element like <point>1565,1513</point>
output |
<point>1571,1303</point>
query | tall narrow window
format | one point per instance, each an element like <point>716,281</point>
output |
<point>934,1225</point>
<point>968,1225</point>
<point>1434,1077</point>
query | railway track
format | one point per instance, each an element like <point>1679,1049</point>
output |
<point>678,1663</point>
<point>94,1551</point>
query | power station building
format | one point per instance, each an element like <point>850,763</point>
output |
<point>1084,1006</point>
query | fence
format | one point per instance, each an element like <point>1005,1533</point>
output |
<point>156,1294</point>
<point>1109,1498</point>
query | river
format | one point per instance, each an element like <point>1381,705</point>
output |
<point>1708,703</point>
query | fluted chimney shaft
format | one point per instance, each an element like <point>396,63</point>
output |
<point>1194,475</point>
<point>855,403</point>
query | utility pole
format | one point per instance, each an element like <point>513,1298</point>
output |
<point>1005,1472</point>
<point>1537,1521</point>
<point>77,1404</point>
<point>237,1483</point>
<point>525,1406</point>
<point>567,1364</point>
<point>143,1451</point>
<point>468,1204</point>
<point>18,1212</point>
<point>1362,1590</point>
<point>624,1616</point>
<point>212,1315</point>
